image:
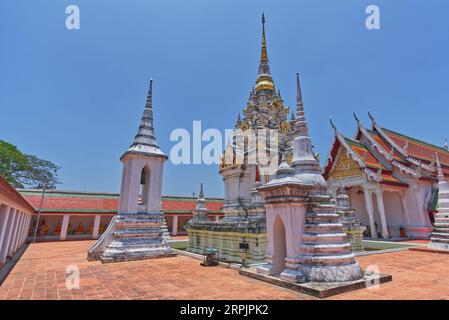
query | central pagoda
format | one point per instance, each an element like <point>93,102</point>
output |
<point>244,219</point>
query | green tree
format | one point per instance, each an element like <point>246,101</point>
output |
<point>24,170</point>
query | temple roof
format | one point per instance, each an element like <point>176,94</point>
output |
<point>17,198</point>
<point>386,150</point>
<point>59,202</point>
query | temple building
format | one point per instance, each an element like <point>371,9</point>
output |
<point>243,169</point>
<point>391,179</point>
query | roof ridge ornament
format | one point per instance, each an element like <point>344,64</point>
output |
<point>372,117</point>
<point>356,117</point>
<point>438,166</point>
<point>446,146</point>
<point>333,125</point>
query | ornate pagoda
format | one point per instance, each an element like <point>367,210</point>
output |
<point>243,171</point>
<point>306,242</point>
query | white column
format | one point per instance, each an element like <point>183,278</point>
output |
<point>174,228</point>
<point>4,219</point>
<point>18,231</point>
<point>64,226</point>
<point>217,218</point>
<point>14,233</point>
<point>10,236</point>
<point>22,227</point>
<point>380,206</point>
<point>30,220</point>
<point>369,209</point>
<point>96,226</point>
<point>404,209</point>
<point>25,228</point>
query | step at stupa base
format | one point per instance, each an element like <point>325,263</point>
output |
<point>437,245</point>
<point>321,289</point>
<point>131,254</point>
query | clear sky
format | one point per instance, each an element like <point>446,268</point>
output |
<point>76,97</point>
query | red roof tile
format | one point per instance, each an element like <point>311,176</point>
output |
<point>57,201</point>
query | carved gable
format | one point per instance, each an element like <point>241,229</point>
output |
<point>344,166</point>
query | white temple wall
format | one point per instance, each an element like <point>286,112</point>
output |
<point>293,218</point>
<point>394,212</point>
<point>376,213</point>
<point>132,169</point>
<point>357,201</point>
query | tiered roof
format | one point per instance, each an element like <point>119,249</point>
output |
<point>58,202</point>
<point>385,155</point>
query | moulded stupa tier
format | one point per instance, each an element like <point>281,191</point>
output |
<point>325,254</point>
<point>138,236</point>
<point>439,238</point>
<point>226,236</point>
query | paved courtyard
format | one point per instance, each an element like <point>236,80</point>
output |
<point>40,274</point>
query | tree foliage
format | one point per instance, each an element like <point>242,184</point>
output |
<point>24,170</point>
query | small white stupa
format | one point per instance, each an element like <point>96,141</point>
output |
<point>139,230</point>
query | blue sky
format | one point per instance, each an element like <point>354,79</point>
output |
<point>76,97</point>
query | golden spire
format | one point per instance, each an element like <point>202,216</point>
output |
<point>263,52</point>
<point>264,80</point>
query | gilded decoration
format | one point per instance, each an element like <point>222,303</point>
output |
<point>345,166</point>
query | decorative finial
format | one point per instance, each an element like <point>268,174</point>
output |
<point>438,165</point>
<point>333,125</point>
<point>292,117</point>
<point>149,103</point>
<point>446,146</point>
<point>301,123</point>
<point>239,120</point>
<point>201,196</point>
<point>263,53</point>
<point>355,117</point>
<point>371,117</point>
<point>298,89</point>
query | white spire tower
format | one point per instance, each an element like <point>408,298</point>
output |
<point>138,231</point>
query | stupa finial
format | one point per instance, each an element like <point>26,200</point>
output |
<point>264,80</point>
<point>201,195</point>
<point>438,165</point>
<point>149,102</point>
<point>300,123</point>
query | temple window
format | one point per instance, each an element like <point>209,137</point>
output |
<point>144,185</point>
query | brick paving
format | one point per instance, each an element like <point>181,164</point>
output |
<point>40,274</point>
